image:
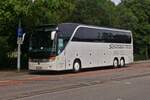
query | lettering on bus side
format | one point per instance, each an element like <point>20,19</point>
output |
<point>119,46</point>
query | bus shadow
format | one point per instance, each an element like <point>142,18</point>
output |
<point>54,73</point>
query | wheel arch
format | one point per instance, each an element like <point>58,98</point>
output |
<point>122,58</point>
<point>116,59</point>
<point>77,59</point>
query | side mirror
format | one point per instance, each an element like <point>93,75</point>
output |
<point>23,37</point>
<point>53,35</point>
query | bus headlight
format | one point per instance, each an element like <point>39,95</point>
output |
<point>52,59</point>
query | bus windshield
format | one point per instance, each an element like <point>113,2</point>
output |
<point>41,45</point>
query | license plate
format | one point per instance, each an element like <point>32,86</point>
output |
<point>38,67</point>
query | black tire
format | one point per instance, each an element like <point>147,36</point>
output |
<point>122,62</point>
<point>76,66</point>
<point>115,63</point>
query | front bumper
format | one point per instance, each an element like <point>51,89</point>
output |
<point>42,66</point>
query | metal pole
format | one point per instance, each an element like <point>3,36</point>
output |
<point>18,60</point>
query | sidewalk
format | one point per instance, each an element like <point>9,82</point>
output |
<point>12,74</point>
<point>141,61</point>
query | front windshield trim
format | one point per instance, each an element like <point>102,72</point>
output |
<point>54,45</point>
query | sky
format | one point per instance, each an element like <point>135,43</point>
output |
<point>116,1</point>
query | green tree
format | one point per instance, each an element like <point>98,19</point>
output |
<point>135,15</point>
<point>97,12</point>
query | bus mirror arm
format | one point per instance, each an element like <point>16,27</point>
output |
<point>23,37</point>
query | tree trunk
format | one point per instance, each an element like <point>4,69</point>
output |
<point>146,52</point>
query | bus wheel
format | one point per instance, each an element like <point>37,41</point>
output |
<point>122,62</point>
<point>115,63</point>
<point>76,66</point>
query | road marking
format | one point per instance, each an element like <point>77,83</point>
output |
<point>128,83</point>
<point>4,81</point>
<point>10,82</point>
<point>119,99</point>
<point>18,82</point>
<point>37,78</point>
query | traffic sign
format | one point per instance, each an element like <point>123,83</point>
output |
<point>19,30</point>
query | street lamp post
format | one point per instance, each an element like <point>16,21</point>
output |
<point>20,39</point>
<point>19,54</point>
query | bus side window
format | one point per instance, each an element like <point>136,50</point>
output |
<point>60,45</point>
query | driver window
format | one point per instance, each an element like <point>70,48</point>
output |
<point>60,45</point>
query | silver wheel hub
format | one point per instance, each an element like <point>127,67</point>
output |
<point>76,66</point>
<point>115,63</point>
<point>122,62</point>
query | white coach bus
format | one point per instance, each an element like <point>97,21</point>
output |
<point>71,46</point>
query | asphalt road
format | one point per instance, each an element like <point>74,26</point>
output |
<point>129,89</point>
<point>129,83</point>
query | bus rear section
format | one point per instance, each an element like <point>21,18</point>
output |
<point>92,46</point>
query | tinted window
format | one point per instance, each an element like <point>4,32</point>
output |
<point>107,36</point>
<point>122,37</point>
<point>87,35</point>
<point>116,37</point>
<point>99,35</point>
<point>66,30</point>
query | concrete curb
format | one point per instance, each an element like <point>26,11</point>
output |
<point>141,61</point>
